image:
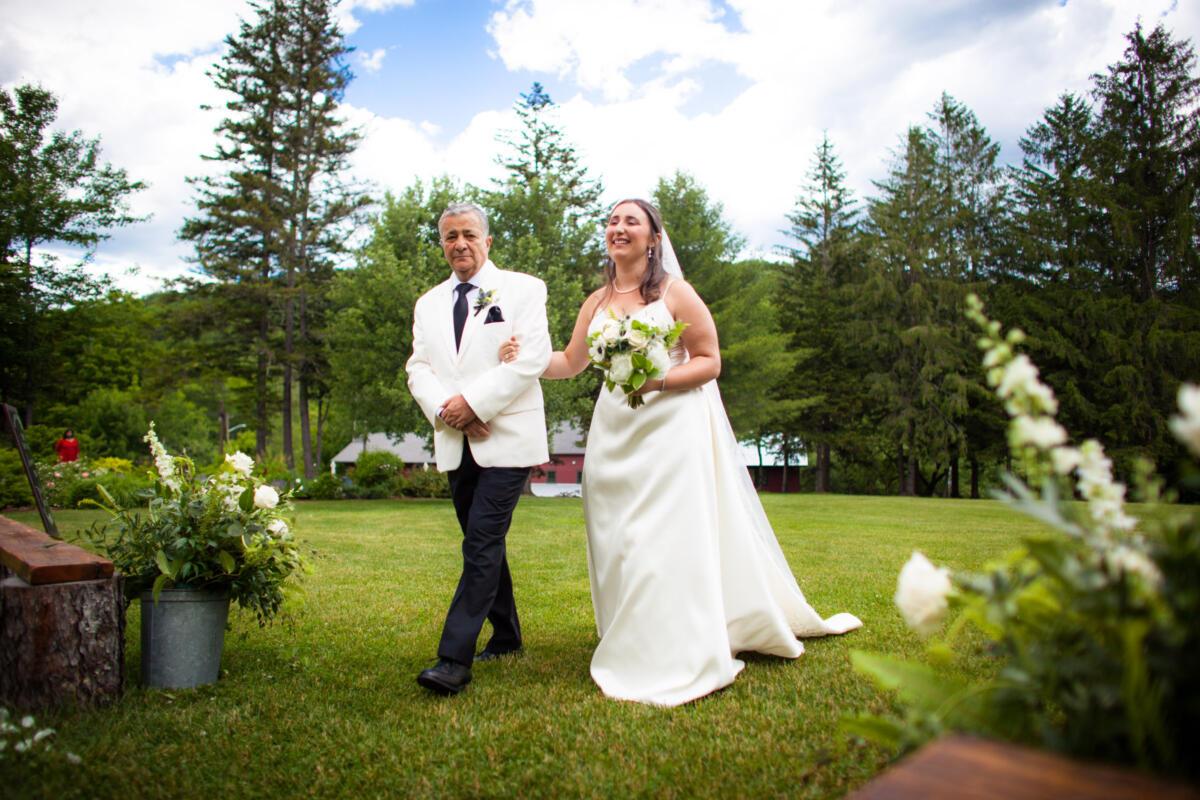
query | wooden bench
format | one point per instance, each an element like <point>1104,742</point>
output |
<point>966,768</point>
<point>62,622</point>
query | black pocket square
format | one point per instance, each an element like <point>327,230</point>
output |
<point>494,315</point>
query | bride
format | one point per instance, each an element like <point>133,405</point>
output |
<point>685,569</point>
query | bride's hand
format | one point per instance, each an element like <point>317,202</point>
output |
<point>653,385</point>
<point>510,349</point>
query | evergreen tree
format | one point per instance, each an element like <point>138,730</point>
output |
<point>272,226</point>
<point>53,189</point>
<point>1148,163</point>
<point>741,296</point>
<point>816,293</point>
<point>545,220</point>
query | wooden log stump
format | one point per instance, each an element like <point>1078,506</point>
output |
<point>62,623</point>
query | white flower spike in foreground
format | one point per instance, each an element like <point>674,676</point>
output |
<point>1187,426</point>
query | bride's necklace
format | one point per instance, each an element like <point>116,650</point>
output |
<point>635,287</point>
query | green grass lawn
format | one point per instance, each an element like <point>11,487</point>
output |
<point>327,705</point>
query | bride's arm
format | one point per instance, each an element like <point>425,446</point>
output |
<point>700,339</point>
<point>573,359</point>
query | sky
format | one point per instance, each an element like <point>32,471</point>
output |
<point>735,92</point>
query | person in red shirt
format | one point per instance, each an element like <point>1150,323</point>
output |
<point>67,447</point>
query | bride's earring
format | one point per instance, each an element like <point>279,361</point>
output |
<point>649,253</point>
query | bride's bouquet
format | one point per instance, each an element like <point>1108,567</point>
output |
<point>629,352</point>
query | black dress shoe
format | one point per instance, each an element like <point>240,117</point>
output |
<point>489,654</point>
<point>446,677</point>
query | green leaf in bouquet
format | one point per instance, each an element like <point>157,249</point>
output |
<point>674,333</point>
<point>641,362</point>
<point>636,381</point>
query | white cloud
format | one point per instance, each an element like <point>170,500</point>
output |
<point>863,71</point>
<point>630,74</point>
<point>372,61</point>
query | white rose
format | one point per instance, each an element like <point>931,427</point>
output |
<point>638,338</point>
<point>240,462</point>
<point>621,369</point>
<point>278,527</point>
<point>1041,432</point>
<point>610,331</point>
<point>659,356</point>
<point>1187,427</point>
<point>266,497</point>
<point>921,594</point>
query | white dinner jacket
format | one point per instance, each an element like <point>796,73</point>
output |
<point>507,396</point>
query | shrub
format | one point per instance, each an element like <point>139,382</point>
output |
<point>322,487</point>
<point>14,487</point>
<point>121,465</point>
<point>379,469</point>
<point>128,491</point>
<point>426,483</point>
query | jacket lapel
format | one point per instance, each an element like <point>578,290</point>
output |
<point>475,319</point>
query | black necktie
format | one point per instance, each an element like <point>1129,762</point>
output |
<point>460,311</point>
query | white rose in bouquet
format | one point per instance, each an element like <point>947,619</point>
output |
<point>921,594</point>
<point>266,497</point>
<point>622,368</point>
<point>639,338</point>
<point>659,356</point>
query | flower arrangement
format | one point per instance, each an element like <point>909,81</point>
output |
<point>629,352</point>
<point>223,531</point>
<point>1094,625</point>
<point>484,300</point>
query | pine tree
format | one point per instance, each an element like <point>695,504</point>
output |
<point>271,227</point>
<point>1148,163</point>
<point>815,293</point>
<point>545,221</point>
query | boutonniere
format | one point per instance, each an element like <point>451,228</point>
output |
<point>484,300</point>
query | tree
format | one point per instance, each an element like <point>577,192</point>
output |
<point>1148,163</point>
<point>741,297</point>
<point>370,332</point>
<point>546,222</point>
<point>816,293</point>
<point>272,227</point>
<point>53,189</point>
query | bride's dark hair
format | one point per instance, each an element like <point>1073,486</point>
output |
<point>653,279</point>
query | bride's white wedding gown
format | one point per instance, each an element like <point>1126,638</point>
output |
<point>685,569</point>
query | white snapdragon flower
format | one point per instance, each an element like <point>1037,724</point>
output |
<point>278,527</point>
<point>163,463</point>
<point>659,356</point>
<point>638,337</point>
<point>266,497</point>
<point>1187,426</point>
<point>1126,559</point>
<point>1064,459</point>
<point>921,593</point>
<point>1042,396</point>
<point>621,369</point>
<point>1018,376</point>
<point>241,463</point>
<point>1105,497</point>
<point>1041,432</point>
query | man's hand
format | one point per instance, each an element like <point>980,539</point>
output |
<point>477,429</point>
<point>457,414</point>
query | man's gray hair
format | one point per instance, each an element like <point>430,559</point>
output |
<point>457,209</point>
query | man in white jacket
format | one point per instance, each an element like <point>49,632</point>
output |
<point>489,426</point>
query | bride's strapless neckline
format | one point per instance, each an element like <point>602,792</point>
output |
<point>601,313</point>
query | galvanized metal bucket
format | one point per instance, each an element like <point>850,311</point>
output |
<point>182,637</point>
